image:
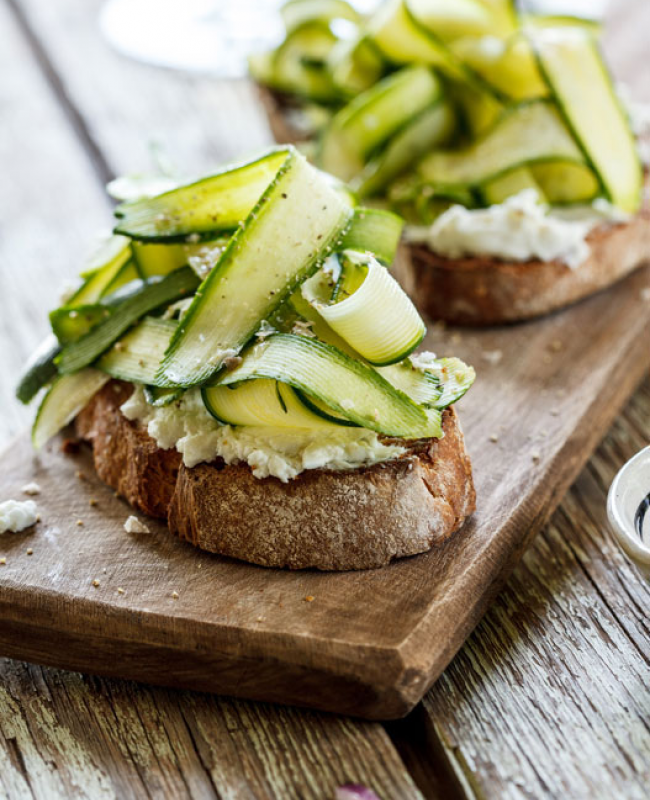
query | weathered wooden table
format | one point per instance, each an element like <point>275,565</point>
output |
<point>548,698</point>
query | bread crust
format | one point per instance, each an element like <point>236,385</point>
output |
<point>328,520</point>
<point>480,290</point>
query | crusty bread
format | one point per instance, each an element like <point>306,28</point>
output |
<point>480,290</point>
<point>323,519</point>
<point>485,291</point>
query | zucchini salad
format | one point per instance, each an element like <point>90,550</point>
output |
<point>255,314</point>
<point>427,104</point>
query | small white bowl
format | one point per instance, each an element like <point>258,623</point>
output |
<point>625,501</point>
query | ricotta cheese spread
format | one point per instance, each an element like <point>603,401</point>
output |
<point>518,229</point>
<point>282,453</point>
<point>15,516</point>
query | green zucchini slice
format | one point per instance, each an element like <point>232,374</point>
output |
<point>203,209</point>
<point>422,134</point>
<point>373,117</point>
<point>526,134</point>
<point>299,63</point>
<point>296,12</point>
<point>566,183</point>
<point>67,396</point>
<point>370,310</point>
<point>85,350</point>
<point>160,397</point>
<point>110,267</point>
<point>295,224</point>
<point>263,403</point>
<point>350,388</point>
<point>402,39</point>
<point>136,357</point>
<point>455,377</point>
<point>375,231</point>
<point>70,324</point>
<point>510,183</point>
<point>571,63</point>
<point>40,370</point>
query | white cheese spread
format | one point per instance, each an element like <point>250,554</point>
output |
<point>281,453</point>
<point>15,516</point>
<point>519,229</point>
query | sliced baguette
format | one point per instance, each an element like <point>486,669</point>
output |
<point>481,290</point>
<point>323,519</point>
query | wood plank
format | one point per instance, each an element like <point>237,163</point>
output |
<point>63,735</point>
<point>548,696</point>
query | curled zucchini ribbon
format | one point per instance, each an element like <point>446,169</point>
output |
<point>375,317</point>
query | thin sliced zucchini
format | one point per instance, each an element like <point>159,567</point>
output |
<point>424,388</point>
<point>571,63</point>
<point>355,65</point>
<point>455,377</point>
<point>508,66</point>
<point>68,395</point>
<point>403,40</point>
<point>526,134</point>
<point>104,266</point>
<point>510,183</point>
<point>84,351</point>
<point>587,24</point>
<point>40,370</point>
<point>161,397</point>
<point>261,403</point>
<point>373,117</point>
<point>449,20</point>
<point>566,183</point>
<point>299,65</point>
<point>371,312</point>
<point>296,12</point>
<point>375,231</point>
<point>70,324</point>
<point>203,209</point>
<point>137,356</point>
<point>428,131</point>
<point>263,264</point>
<point>348,387</point>
<point>137,187</point>
<point>504,14</point>
<point>479,110</point>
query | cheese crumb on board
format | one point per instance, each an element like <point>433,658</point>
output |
<point>31,488</point>
<point>15,516</point>
<point>134,525</point>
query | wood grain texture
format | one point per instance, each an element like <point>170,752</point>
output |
<point>531,421</point>
<point>473,750</point>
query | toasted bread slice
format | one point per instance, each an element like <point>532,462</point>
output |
<point>481,290</point>
<point>486,291</point>
<point>329,520</point>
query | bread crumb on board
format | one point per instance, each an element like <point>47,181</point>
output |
<point>310,598</point>
<point>135,525</point>
<point>31,488</point>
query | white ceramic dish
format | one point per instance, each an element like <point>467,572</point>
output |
<point>628,499</point>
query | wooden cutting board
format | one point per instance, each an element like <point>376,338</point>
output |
<point>368,644</point>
